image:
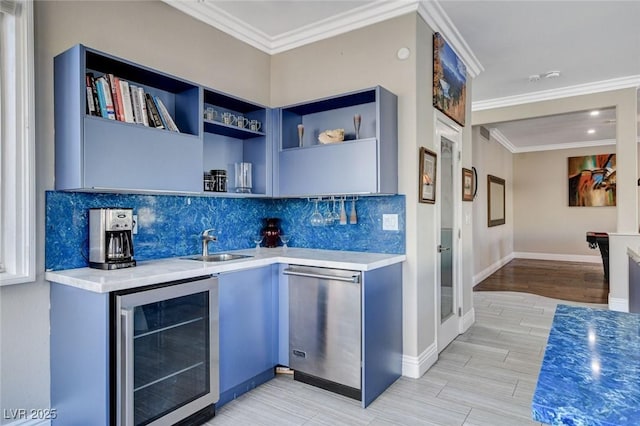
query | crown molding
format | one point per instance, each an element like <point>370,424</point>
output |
<point>359,17</point>
<point>504,141</point>
<point>438,20</point>
<point>371,13</point>
<point>569,145</point>
<point>368,14</point>
<point>564,92</point>
<point>214,16</point>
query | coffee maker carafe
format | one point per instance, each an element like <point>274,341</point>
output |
<point>110,242</point>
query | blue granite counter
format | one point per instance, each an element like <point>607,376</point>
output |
<point>590,373</point>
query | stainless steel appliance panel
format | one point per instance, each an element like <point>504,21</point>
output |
<point>167,352</point>
<point>325,324</point>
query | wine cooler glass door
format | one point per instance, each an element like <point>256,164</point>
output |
<point>168,352</point>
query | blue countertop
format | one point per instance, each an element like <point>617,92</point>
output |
<point>590,373</point>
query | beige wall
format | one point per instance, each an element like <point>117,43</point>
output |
<point>626,103</point>
<point>492,246</point>
<point>160,37</point>
<point>151,33</point>
<point>363,58</point>
<point>544,223</point>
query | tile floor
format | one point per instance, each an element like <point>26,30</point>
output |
<point>486,376</point>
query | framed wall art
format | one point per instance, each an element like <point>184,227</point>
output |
<point>496,201</point>
<point>449,81</point>
<point>427,184</point>
<point>468,185</point>
<point>592,180</point>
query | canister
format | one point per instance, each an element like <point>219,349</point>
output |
<point>219,178</point>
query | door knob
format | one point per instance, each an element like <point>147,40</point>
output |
<point>441,248</point>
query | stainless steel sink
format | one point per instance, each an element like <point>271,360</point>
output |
<point>218,257</point>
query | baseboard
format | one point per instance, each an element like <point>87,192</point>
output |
<point>468,319</point>
<point>415,367</point>
<point>617,304</point>
<point>557,257</point>
<point>478,278</point>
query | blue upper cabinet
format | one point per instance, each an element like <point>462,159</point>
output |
<point>102,149</point>
<point>118,153</point>
<point>236,131</point>
<point>122,153</point>
<point>365,162</point>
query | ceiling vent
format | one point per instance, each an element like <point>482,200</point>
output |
<point>485,133</point>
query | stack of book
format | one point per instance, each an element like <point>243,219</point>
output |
<point>111,97</point>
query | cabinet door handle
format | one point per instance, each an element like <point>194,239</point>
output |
<point>125,365</point>
<point>441,248</point>
<point>301,354</point>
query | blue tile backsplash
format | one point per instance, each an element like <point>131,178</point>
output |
<point>170,226</point>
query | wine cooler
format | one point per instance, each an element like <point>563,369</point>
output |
<point>166,351</point>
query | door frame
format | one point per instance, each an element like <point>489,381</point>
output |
<point>445,127</point>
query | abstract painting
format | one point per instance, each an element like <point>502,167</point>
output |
<point>449,81</point>
<point>592,180</point>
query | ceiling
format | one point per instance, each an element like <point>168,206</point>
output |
<point>594,45</point>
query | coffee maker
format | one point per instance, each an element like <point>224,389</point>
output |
<point>110,242</point>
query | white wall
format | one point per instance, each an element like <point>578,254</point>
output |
<point>151,33</point>
<point>492,246</point>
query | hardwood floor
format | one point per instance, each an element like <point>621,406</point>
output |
<point>575,281</point>
<point>486,376</point>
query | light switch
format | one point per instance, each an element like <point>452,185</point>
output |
<point>389,222</point>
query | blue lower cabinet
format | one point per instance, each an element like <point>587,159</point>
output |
<point>79,357</point>
<point>248,330</point>
<point>381,330</point>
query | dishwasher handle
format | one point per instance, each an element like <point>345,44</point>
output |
<point>355,278</point>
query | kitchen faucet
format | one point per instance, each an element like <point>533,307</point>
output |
<point>206,237</point>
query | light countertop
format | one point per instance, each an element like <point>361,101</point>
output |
<point>164,270</point>
<point>590,373</point>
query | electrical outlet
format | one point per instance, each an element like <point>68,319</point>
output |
<point>389,222</point>
<point>135,224</point>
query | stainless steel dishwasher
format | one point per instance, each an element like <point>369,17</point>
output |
<point>325,328</point>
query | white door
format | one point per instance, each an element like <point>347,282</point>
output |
<point>449,202</point>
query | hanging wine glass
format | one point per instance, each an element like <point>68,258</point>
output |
<point>328,216</point>
<point>336,215</point>
<point>316,217</point>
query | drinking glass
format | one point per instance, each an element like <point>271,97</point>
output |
<point>316,218</point>
<point>257,239</point>
<point>334,213</point>
<point>285,239</point>
<point>328,217</point>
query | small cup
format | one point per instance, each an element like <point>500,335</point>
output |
<point>228,118</point>
<point>255,125</point>
<point>242,122</point>
<point>210,114</point>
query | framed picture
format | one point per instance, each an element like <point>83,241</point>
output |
<point>496,204</point>
<point>428,160</point>
<point>592,180</point>
<point>468,185</point>
<point>449,81</point>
